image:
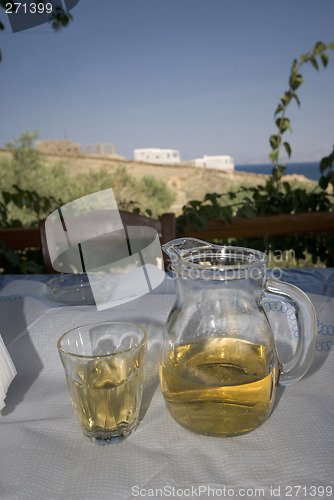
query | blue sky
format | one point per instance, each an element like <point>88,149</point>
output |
<point>201,76</point>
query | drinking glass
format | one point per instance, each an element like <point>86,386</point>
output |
<point>103,364</point>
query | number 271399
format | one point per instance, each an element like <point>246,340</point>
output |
<point>29,8</point>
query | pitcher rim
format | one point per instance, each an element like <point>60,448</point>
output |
<point>181,265</point>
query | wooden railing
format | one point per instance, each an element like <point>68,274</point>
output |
<point>241,227</point>
<point>271,225</point>
<point>21,237</point>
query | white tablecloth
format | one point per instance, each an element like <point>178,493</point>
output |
<point>43,454</point>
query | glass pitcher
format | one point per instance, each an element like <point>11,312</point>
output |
<point>219,366</point>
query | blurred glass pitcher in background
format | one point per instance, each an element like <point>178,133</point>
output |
<point>219,366</point>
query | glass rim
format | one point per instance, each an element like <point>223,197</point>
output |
<point>85,356</point>
<point>185,262</point>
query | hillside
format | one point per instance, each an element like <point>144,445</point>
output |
<point>186,181</point>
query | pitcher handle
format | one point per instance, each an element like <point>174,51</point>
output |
<point>295,369</point>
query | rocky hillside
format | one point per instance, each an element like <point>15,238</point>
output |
<point>188,182</point>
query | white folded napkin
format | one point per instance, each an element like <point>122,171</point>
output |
<point>7,372</point>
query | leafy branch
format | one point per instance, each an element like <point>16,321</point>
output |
<point>27,200</point>
<point>327,175</point>
<point>318,56</point>
<point>60,18</point>
<point>276,197</point>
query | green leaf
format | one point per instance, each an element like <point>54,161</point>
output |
<point>314,62</point>
<point>285,99</point>
<point>246,211</point>
<point>274,156</point>
<point>225,214</point>
<point>303,58</point>
<point>324,59</point>
<point>194,203</point>
<point>274,141</point>
<point>296,82</point>
<point>278,109</point>
<point>287,148</point>
<point>7,197</point>
<point>330,46</point>
<point>283,124</point>
<point>16,223</point>
<point>294,65</point>
<point>323,165</point>
<point>282,168</point>
<point>331,177</point>
<point>212,197</point>
<point>278,171</point>
<point>294,96</point>
<point>323,182</point>
<point>318,48</point>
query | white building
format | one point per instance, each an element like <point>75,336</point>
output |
<point>222,162</point>
<point>156,155</point>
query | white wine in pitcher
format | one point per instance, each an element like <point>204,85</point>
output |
<point>218,365</point>
<point>220,386</point>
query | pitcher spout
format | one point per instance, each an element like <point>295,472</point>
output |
<point>181,247</point>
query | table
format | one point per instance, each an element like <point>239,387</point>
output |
<point>45,456</point>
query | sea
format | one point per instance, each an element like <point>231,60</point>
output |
<point>308,169</point>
